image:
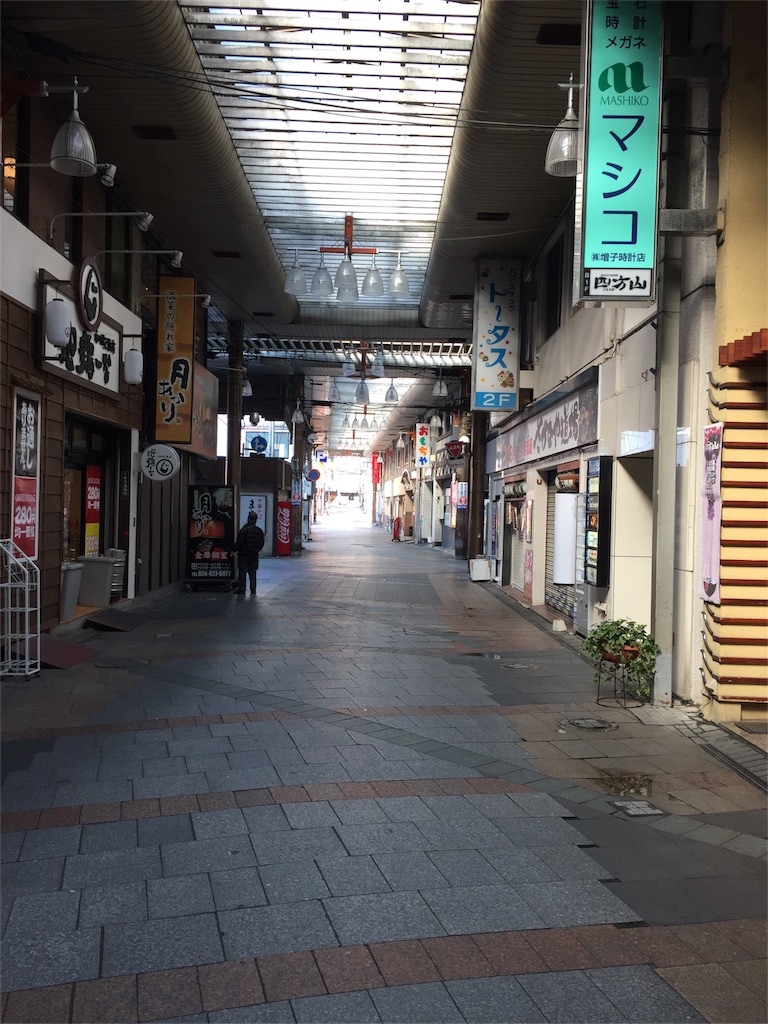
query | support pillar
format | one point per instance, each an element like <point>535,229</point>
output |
<point>235,378</point>
<point>476,484</point>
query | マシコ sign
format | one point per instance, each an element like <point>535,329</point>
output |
<point>622,144</point>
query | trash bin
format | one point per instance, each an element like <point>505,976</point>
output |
<point>71,575</point>
<point>96,582</point>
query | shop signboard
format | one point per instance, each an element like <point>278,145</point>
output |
<point>92,509</point>
<point>422,445</point>
<point>254,503</point>
<point>211,533</point>
<point>91,357</point>
<point>175,362</point>
<point>205,408</point>
<point>712,512</point>
<point>622,150</point>
<point>496,336</point>
<point>25,489</point>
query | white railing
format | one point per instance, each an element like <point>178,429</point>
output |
<point>19,612</point>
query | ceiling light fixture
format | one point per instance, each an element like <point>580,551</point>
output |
<point>372,283</point>
<point>334,395</point>
<point>321,280</point>
<point>361,393</point>
<point>398,282</point>
<point>377,366</point>
<point>297,416</point>
<point>176,254</point>
<point>73,151</point>
<point>391,395</point>
<point>440,388</point>
<point>143,222</point>
<point>562,159</point>
<point>295,279</point>
<point>400,443</point>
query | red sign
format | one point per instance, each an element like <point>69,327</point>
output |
<point>92,509</point>
<point>25,514</point>
<point>375,468</point>
<point>283,541</point>
<point>454,449</point>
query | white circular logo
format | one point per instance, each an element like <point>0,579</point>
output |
<point>160,462</point>
<point>90,295</point>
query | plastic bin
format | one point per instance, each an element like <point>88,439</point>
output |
<point>480,569</point>
<point>96,582</point>
<point>71,577</point>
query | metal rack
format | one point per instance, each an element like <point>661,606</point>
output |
<point>19,612</point>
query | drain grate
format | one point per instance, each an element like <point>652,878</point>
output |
<point>757,728</point>
<point>636,808</point>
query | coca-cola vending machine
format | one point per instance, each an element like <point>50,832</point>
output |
<point>283,539</point>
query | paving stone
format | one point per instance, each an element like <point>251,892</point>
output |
<point>413,870</point>
<point>155,767</point>
<point>569,904</point>
<point>294,881</point>
<point>311,815</point>
<point>539,831</point>
<point>509,952</point>
<point>113,835</point>
<point>35,914</point>
<point>38,1005</point>
<point>381,917</point>
<point>111,904</point>
<point>105,1000</point>
<point>238,888</point>
<point>481,908</point>
<point>404,962</point>
<point>494,999</point>
<point>359,812</point>
<point>462,835</point>
<point>465,867</point>
<point>352,876</point>
<point>11,842</point>
<point>207,855</point>
<point>496,805</point>
<point>68,794</point>
<point>342,1008</point>
<point>61,957</point>
<point>217,824</point>
<point>171,828</point>
<point>348,969</point>
<point>641,995</point>
<point>168,992</point>
<point>268,1013</point>
<point>171,785</point>
<point>570,997</point>
<point>160,945</point>
<point>51,842</point>
<point>277,847</point>
<point>230,984</point>
<point>275,929</point>
<point>179,897</point>
<point>427,1004</point>
<point>263,819</point>
<point>457,956</point>
<point>569,863</point>
<point>112,867</point>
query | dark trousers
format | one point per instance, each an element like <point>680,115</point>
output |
<point>246,567</point>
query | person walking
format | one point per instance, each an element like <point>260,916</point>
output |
<point>250,541</point>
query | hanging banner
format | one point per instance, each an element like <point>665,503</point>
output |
<point>422,445</point>
<point>496,336</point>
<point>175,360</point>
<point>712,510</point>
<point>92,509</point>
<point>205,408</point>
<point>26,472</point>
<point>622,149</point>
<point>375,468</point>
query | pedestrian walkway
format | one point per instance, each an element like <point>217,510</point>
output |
<point>374,791</point>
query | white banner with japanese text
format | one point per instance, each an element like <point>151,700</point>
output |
<point>496,336</point>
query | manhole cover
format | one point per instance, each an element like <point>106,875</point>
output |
<point>589,723</point>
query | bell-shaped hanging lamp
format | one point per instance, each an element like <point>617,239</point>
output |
<point>297,416</point>
<point>334,395</point>
<point>321,280</point>
<point>377,367</point>
<point>562,159</point>
<point>372,282</point>
<point>398,282</point>
<point>345,272</point>
<point>345,422</point>
<point>295,279</point>
<point>73,151</point>
<point>361,393</point>
<point>348,290</point>
<point>440,388</point>
<point>400,443</point>
<point>392,395</point>
<point>355,423</point>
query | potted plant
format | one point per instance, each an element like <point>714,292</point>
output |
<point>624,644</point>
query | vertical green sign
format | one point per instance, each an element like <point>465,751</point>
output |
<point>621,166</point>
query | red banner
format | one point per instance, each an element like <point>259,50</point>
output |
<point>283,542</point>
<point>92,509</point>
<point>375,468</point>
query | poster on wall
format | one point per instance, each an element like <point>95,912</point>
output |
<point>25,488</point>
<point>92,509</point>
<point>254,503</point>
<point>712,510</point>
<point>210,533</point>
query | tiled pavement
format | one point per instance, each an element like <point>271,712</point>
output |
<point>368,794</point>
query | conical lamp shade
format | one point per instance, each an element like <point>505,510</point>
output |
<point>73,151</point>
<point>321,282</point>
<point>361,393</point>
<point>372,283</point>
<point>348,291</point>
<point>345,272</point>
<point>562,159</point>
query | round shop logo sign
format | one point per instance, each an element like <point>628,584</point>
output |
<point>160,462</point>
<point>90,295</point>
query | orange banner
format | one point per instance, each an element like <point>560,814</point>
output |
<point>175,360</point>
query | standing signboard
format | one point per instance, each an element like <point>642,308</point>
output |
<point>496,337</point>
<point>210,534</point>
<point>26,472</point>
<point>621,153</point>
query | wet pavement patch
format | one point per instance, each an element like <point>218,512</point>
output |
<point>16,755</point>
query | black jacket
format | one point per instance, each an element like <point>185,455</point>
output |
<point>250,540</point>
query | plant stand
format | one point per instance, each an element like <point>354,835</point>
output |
<point>617,668</point>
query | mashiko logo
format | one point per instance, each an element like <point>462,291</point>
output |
<point>615,77</point>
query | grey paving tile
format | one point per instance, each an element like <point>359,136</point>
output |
<point>394,837</point>
<point>570,997</point>
<point>465,867</point>
<point>381,917</point>
<point>170,785</point>
<point>641,995</point>
<point>264,1013</point>
<point>352,876</point>
<point>242,778</point>
<point>569,862</point>
<point>693,900</point>
<point>62,957</point>
<point>336,1009</point>
<point>201,745</point>
<point>481,908</point>
<point>69,794</point>
<point>205,855</point>
<point>260,931</point>
<point>112,904</point>
<point>391,771</point>
<point>277,847</point>
<point>207,763</point>
<point>36,914</point>
<point>540,831</point>
<point>269,818</point>
<point>571,904</point>
<point>10,846</point>
<point>27,798</point>
<point>111,867</point>
<point>155,767</point>
<point>294,881</point>
<point>416,1004</point>
<point>494,999</point>
<point>179,897</point>
<point>109,835</point>
<point>410,870</point>
<point>406,808</point>
<point>462,835</point>
<point>539,805</point>
<point>240,760</point>
<point>173,828</point>
<point>359,812</point>
<point>237,889</point>
<point>300,775</point>
<point>51,842</point>
<point>161,945</point>
<point>453,808</point>
<point>316,814</point>
<point>517,865</point>
<point>496,805</point>
<point>217,824</point>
